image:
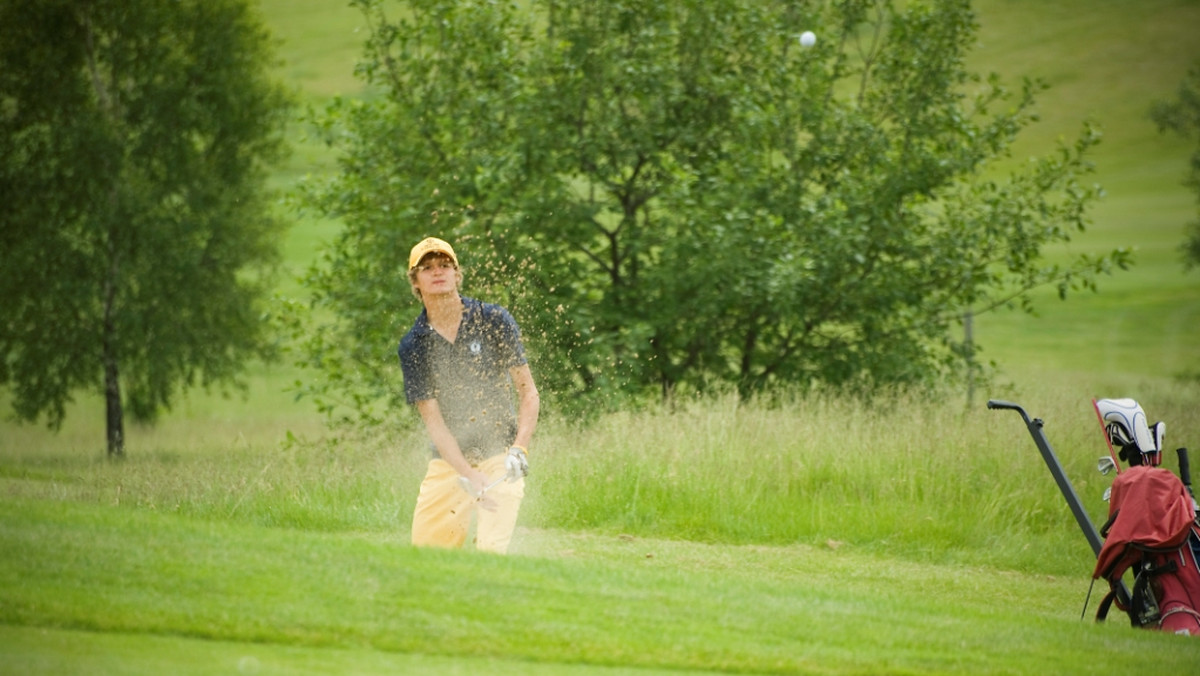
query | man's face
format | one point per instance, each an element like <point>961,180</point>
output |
<point>436,274</point>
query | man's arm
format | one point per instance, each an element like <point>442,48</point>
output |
<point>445,442</point>
<point>528,404</point>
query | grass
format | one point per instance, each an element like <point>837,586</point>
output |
<point>367,604</point>
<point>816,535</point>
<point>810,535</point>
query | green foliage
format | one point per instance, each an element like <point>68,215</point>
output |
<point>672,194</point>
<point>137,239</point>
<point>1182,115</point>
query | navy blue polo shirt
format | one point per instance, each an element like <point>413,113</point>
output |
<point>469,377</point>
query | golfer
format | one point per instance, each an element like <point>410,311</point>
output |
<point>464,365</point>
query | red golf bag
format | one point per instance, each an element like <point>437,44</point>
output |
<point>1152,531</point>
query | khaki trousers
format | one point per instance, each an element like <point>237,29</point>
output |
<point>442,517</point>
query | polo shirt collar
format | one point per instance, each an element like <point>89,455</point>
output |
<point>470,308</point>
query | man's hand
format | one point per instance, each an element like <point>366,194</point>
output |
<point>516,465</point>
<point>477,486</point>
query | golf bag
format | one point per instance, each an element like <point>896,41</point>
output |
<point>1152,529</point>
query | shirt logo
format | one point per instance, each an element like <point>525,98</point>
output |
<point>475,347</point>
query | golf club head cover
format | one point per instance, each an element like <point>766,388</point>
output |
<point>516,465</point>
<point>1127,428</point>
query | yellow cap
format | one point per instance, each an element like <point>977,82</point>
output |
<point>427,246</point>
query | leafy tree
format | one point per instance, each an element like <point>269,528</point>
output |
<point>137,240</point>
<point>674,193</point>
<point>1182,115</point>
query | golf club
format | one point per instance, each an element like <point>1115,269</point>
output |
<point>470,488</point>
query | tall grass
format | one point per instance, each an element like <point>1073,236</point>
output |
<point>918,478</point>
<point>319,484</point>
<point>912,477</point>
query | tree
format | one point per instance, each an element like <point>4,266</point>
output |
<point>1182,115</point>
<point>137,239</point>
<point>673,193</point>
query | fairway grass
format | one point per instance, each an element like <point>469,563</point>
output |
<point>30,651</point>
<point>288,601</point>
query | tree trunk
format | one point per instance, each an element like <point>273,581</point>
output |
<point>969,355</point>
<point>114,415</point>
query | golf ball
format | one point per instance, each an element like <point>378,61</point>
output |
<point>808,39</point>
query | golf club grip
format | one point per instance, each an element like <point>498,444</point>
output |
<point>1185,470</point>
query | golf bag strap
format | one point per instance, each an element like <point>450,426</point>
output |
<point>1102,609</point>
<point>1109,524</point>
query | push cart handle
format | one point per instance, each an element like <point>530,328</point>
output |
<point>1064,486</point>
<point>1000,404</point>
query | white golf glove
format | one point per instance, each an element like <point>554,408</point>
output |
<point>516,465</point>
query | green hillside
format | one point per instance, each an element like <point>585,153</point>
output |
<point>1106,61</point>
